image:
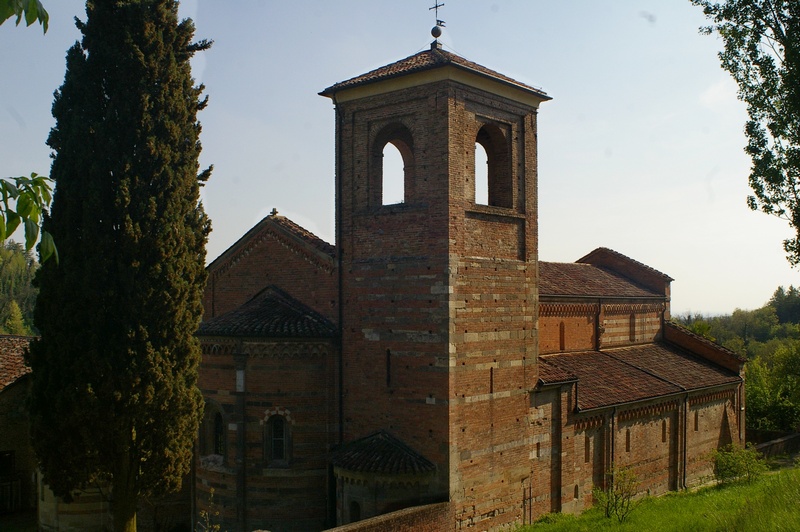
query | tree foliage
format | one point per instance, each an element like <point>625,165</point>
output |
<point>113,392</point>
<point>29,10</point>
<point>17,269</point>
<point>762,53</point>
<point>769,337</point>
<point>618,497</point>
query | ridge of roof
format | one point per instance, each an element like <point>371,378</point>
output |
<point>270,313</point>
<point>314,246</point>
<point>380,452</point>
<point>435,57</point>
<point>705,341</point>
<point>586,259</point>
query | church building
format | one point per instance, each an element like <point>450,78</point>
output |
<point>428,371</point>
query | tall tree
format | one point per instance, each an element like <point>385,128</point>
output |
<point>762,53</point>
<point>114,393</point>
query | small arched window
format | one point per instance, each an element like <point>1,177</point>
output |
<point>213,437</point>
<point>562,339</point>
<point>277,442</point>
<point>499,185</point>
<point>633,327</point>
<point>219,434</point>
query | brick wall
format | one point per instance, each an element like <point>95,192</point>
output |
<point>292,379</point>
<point>428,518</point>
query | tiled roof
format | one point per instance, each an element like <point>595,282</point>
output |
<point>577,279</point>
<point>381,452</point>
<point>12,362</point>
<point>305,235</point>
<point>636,373</point>
<point>428,60</point>
<point>550,374</point>
<point>284,226</point>
<point>270,313</point>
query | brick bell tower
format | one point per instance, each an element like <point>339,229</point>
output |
<point>439,294</point>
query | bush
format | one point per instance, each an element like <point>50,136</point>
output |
<point>617,499</point>
<point>733,463</point>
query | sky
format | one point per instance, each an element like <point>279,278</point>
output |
<point>640,150</point>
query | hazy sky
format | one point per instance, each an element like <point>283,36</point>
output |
<point>640,149</point>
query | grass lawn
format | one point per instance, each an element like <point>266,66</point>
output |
<point>770,503</point>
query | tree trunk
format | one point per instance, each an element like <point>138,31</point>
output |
<point>124,496</point>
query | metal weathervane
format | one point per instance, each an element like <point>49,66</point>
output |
<point>437,30</point>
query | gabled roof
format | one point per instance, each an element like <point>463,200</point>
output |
<point>288,233</point>
<point>380,452</point>
<point>272,314</point>
<point>12,361</point>
<point>636,373</point>
<point>429,60</point>
<point>587,280</point>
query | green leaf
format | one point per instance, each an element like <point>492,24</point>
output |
<point>31,233</point>
<point>47,248</point>
<point>12,222</point>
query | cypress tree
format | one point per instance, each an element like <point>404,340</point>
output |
<point>114,395</point>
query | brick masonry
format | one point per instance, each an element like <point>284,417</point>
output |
<point>441,324</point>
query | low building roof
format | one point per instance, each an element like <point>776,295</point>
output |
<point>586,280</point>
<point>634,373</point>
<point>12,360</point>
<point>380,452</point>
<point>271,313</point>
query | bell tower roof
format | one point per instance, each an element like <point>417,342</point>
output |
<point>441,62</point>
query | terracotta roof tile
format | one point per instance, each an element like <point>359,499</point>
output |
<point>577,279</point>
<point>305,235</point>
<point>673,364</point>
<point>550,374</point>
<point>381,452</point>
<point>271,313</point>
<point>636,373</point>
<point>427,60</point>
<point>12,361</point>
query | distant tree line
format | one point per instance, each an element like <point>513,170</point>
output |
<point>17,293</point>
<point>769,337</point>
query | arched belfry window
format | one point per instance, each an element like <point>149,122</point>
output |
<point>394,177</point>
<point>497,188</point>
<point>392,172</point>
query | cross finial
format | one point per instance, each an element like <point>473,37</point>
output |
<point>436,6</point>
<point>274,212</point>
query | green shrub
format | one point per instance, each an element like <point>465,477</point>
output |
<point>617,499</point>
<point>734,463</point>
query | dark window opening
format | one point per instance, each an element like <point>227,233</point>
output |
<point>627,440</point>
<point>562,341</point>
<point>277,445</point>
<point>219,434</point>
<point>355,512</point>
